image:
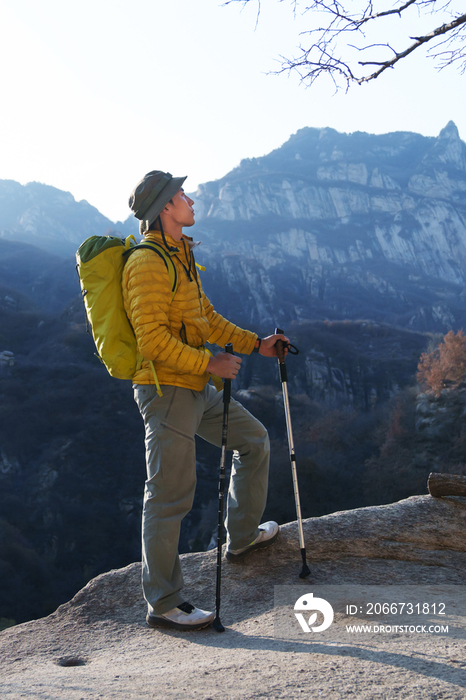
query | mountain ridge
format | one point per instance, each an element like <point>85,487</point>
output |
<point>379,236</point>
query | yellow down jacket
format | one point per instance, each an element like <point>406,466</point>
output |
<point>172,332</point>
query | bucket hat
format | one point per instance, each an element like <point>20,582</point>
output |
<point>151,194</point>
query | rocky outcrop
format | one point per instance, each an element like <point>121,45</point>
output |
<point>439,430</point>
<point>98,642</point>
<point>420,538</point>
<point>437,416</point>
<point>7,359</point>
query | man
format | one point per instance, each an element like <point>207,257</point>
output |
<point>177,402</point>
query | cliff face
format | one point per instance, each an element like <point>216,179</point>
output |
<point>342,226</point>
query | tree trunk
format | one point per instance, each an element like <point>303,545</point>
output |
<point>446,485</point>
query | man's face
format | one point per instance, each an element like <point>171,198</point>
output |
<point>181,210</point>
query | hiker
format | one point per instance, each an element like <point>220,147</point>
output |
<point>177,401</point>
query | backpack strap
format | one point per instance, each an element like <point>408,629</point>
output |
<point>172,274</point>
<point>162,253</point>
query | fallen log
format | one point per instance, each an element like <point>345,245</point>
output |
<point>446,485</point>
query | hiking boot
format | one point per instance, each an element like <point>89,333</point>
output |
<point>184,617</point>
<point>268,534</point>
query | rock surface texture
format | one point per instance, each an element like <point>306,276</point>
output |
<point>98,646</point>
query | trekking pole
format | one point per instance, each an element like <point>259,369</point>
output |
<point>305,571</point>
<point>216,624</point>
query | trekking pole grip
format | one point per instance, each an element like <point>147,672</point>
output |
<point>227,382</point>
<point>280,345</point>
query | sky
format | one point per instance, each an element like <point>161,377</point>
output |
<point>95,93</point>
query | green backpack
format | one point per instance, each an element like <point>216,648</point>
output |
<point>100,261</point>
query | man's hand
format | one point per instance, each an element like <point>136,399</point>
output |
<point>268,345</point>
<point>224,365</point>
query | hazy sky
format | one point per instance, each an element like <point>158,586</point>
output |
<point>95,93</point>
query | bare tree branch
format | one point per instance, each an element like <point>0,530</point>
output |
<point>418,41</point>
<point>328,51</point>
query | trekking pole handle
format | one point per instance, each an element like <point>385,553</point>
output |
<point>280,345</point>
<point>227,382</point>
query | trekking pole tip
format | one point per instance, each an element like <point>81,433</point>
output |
<point>305,571</point>
<point>217,625</point>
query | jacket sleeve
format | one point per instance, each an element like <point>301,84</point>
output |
<point>147,295</point>
<point>223,332</point>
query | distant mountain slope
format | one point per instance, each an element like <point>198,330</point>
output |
<point>50,218</point>
<point>41,228</point>
<point>49,281</point>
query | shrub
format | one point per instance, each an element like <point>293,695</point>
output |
<point>444,367</point>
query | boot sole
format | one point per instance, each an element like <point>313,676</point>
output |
<point>252,548</point>
<point>155,622</point>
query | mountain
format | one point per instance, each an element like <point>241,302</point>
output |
<point>341,226</point>
<point>49,218</point>
<point>46,280</point>
<point>41,228</point>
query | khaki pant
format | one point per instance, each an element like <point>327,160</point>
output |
<point>171,422</point>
